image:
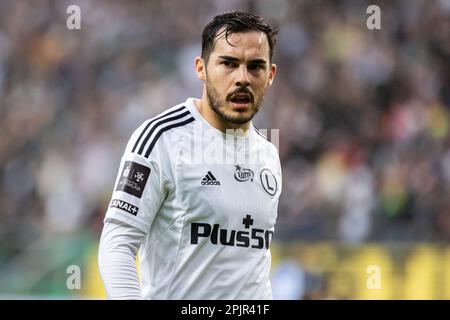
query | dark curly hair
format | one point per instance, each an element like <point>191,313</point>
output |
<point>232,22</point>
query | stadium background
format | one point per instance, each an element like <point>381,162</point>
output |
<point>364,137</point>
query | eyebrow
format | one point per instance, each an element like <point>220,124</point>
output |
<point>233,59</point>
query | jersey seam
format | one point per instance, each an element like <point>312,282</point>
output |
<point>182,216</point>
<point>169,287</point>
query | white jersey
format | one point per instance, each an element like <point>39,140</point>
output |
<point>207,202</point>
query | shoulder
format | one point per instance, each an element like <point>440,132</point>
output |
<point>152,133</point>
<point>262,138</point>
<point>268,148</point>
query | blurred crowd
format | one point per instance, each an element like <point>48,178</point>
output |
<point>363,114</point>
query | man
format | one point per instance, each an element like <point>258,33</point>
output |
<point>203,227</point>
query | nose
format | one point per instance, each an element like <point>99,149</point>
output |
<point>242,79</point>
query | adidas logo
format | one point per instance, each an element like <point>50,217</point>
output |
<point>209,180</point>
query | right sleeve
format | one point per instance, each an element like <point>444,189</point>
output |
<point>140,186</point>
<point>118,247</point>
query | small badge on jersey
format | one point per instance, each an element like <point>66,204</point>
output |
<point>125,206</point>
<point>268,181</point>
<point>243,174</point>
<point>133,178</point>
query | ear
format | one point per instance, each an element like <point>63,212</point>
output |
<point>200,68</point>
<point>273,71</point>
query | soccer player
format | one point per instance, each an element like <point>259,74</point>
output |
<point>201,214</point>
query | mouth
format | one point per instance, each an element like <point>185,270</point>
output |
<point>241,100</point>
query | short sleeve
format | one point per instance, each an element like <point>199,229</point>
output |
<point>140,187</point>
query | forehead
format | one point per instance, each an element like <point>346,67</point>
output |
<point>250,44</point>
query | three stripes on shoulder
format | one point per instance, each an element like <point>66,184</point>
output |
<point>169,119</point>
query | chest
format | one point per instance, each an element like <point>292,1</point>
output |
<point>231,195</point>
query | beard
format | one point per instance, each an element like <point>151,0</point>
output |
<point>233,117</point>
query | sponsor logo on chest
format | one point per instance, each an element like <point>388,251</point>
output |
<point>250,238</point>
<point>243,174</point>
